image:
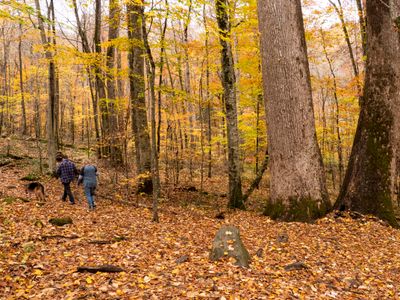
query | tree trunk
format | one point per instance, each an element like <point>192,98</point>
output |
<point>188,90</point>
<point>235,196</point>
<point>86,49</point>
<point>100,85</point>
<point>297,183</point>
<point>339,11</point>
<point>113,133</point>
<point>335,96</point>
<point>160,78</point>
<point>368,186</point>
<point>137,90</point>
<point>151,70</point>
<point>21,82</point>
<point>363,26</point>
<point>207,96</point>
<point>52,106</point>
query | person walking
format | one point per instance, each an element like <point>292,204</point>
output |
<point>88,176</point>
<point>66,171</point>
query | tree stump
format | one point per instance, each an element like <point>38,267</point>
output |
<point>227,243</point>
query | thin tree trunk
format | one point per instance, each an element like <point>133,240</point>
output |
<point>160,78</point>
<point>151,70</point>
<point>188,89</point>
<point>21,82</point>
<point>100,85</point>
<point>235,196</point>
<point>52,122</point>
<point>113,133</point>
<point>335,96</point>
<point>339,10</point>
<point>207,96</point>
<point>86,49</point>
<point>137,93</point>
<point>363,26</point>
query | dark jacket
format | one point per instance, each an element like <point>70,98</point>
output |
<point>66,171</point>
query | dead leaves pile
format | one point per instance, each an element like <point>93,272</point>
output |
<point>341,258</point>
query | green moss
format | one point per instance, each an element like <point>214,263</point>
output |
<point>236,198</point>
<point>31,177</point>
<point>9,199</point>
<point>60,221</point>
<point>298,210</point>
<point>397,23</point>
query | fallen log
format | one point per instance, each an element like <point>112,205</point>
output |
<point>115,239</point>
<point>57,236</point>
<point>101,268</point>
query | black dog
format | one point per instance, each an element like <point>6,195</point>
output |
<point>37,188</point>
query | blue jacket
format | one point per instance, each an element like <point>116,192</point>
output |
<point>88,175</point>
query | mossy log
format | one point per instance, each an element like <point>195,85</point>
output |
<point>60,221</point>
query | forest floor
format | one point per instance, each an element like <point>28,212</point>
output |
<point>344,258</point>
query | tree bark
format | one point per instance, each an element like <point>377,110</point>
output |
<point>151,70</point>
<point>369,183</point>
<point>21,82</point>
<point>86,49</point>
<point>160,76</point>
<point>339,10</point>
<point>52,106</point>
<point>335,96</point>
<point>363,26</point>
<point>207,96</point>
<point>137,90</point>
<point>297,183</point>
<point>100,85</point>
<point>113,134</point>
<point>228,78</point>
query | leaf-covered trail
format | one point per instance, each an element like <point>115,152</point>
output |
<point>346,259</point>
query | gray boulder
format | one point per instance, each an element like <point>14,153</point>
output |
<point>227,243</point>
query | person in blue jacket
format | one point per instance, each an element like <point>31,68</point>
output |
<point>88,176</point>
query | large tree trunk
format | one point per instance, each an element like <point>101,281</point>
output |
<point>228,78</point>
<point>137,90</point>
<point>369,183</point>
<point>298,191</point>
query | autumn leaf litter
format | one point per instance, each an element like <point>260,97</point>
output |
<point>343,258</point>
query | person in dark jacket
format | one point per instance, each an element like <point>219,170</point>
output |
<point>66,171</point>
<point>88,176</point>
